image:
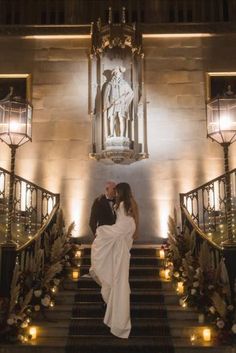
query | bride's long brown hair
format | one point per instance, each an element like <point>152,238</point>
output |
<point>124,194</point>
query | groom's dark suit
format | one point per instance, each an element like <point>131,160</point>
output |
<point>101,213</point>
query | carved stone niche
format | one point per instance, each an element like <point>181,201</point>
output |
<point>117,95</point>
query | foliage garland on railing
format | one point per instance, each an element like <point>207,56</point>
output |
<point>33,288</point>
<point>205,287</point>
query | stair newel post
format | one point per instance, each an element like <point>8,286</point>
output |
<point>227,193</point>
<point>15,130</point>
<point>181,198</point>
<point>11,195</point>
<point>7,263</point>
<point>8,250</point>
<point>229,256</point>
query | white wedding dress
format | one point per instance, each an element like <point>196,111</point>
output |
<point>110,258</point>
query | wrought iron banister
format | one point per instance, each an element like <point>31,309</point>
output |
<point>206,206</point>
<point>204,210</point>
<point>39,233</point>
<point>193,225</point>
<point>16,12</point>
<point>32,205</point>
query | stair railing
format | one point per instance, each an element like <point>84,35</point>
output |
<point>32,205</point>
<point>204,210</point>
<point>206,206</point>
<point>34,215</point>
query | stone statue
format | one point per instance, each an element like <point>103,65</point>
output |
<point>116,101</point>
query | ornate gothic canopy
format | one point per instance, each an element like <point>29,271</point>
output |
<point>117,95</point>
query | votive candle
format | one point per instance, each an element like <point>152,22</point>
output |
<point>206,334</point>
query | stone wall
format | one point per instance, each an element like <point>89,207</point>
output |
<point>181,157</point>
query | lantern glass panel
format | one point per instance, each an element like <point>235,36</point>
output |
<point>15,122</point>
<point>221,120</point>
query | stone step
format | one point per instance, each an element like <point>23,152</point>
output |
<point>134,261</point>
<point>95,327</point>
<point>140,327</point>
<point>147,271</point>
<point>152,282</point>
<point>136,297</point>
<point>135,251</point>
<point>57,345</point>
<point>40,345</point>
<point>137,311</point>
<point>142,345</point>
<point>94,295</point>
<point>141,310</point>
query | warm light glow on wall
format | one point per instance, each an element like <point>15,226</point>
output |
<point>59,36</point>
<point>177,35</point>
<point>164,211</point>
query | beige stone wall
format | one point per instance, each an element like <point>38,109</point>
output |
<point>181,157</point>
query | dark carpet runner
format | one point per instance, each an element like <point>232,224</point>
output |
<point>150,330</point>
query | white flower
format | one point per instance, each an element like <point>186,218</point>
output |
<point>181,302</point>
<point>184,274</point>
<point>181,268</point>
<point>220,323</point>
<point>212,310</point>
<point>45,301</point>
<point>24,324</point>
<point>193,291</point>
<point>10,321</point>
<point>37,293</point>
<point>230,307</point>
<point>195,284</point>
<point>233,328</point>
<point>198,271</point>
<point>20,337</point>
<point>210,287</point>
<point>176,274</point>
<point>56,281</point>
<point>36,307</point>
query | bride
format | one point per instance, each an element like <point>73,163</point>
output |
<point>110,257</point>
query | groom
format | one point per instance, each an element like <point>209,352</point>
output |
<point>102,209</point>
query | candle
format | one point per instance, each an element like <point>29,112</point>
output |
<point>201,318</point>
<point>54,289</point>
<point>180,287</point>
<point>162,254</point>
<point>75,274</point>
<point>162,273</point>
<point>78,254</point>
<point>33,332</point>
<point>167,273</point>
<point>206,334</point>
<point>193,337</point>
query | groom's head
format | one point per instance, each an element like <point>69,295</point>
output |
<point>110,189</point>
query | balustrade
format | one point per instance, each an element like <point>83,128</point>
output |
<point>207,207</point>
<point>32,206</point>
<point>59,12</point>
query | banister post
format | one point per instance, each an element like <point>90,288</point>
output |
<point>181,199</point>
<point>229,256</point>
<point>7,263</point>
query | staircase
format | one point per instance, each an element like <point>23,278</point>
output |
<point>159,324</point>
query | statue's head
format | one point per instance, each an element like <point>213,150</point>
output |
<point>118,71</point>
